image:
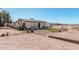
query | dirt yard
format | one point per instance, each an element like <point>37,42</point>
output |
<point>19,40</point>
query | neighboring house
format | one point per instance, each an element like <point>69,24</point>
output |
<point>66,26</point>
<point>28,23</point>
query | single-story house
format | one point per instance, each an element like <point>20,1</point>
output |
<point>29,23</point>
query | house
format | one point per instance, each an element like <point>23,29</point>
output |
<point>29,23</point>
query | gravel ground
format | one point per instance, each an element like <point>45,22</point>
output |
<point>71,34</point>
<point>34,42</point>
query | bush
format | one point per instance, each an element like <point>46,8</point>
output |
<point>53,29</point>
<point>20,28</point>
<point>56,29</point>
<point>75,28</point>
<point>23,27</point>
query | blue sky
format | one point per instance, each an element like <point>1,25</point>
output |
<point>53,15</point>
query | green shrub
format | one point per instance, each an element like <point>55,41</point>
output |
<point>19,28</point>
<point>53,29</point>
<point>56,29</point>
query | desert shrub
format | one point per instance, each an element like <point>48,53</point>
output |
<point>53,29</point>
<point>63,29</point>
<point>20,28</point>
<point>23,27</point>
<point>56,29</point>
<point>75,28</point>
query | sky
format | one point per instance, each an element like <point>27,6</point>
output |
<point>51,15</point>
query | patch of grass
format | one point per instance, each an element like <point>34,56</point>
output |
<point>75,28</point>
<point>54,29</point>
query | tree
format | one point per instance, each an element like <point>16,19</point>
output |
<point>1,21</point>
<point>6,16</point>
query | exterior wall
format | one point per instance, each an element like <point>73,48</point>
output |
<point>42,25</point>
<point>30,24</point>
<point>35,24</point>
